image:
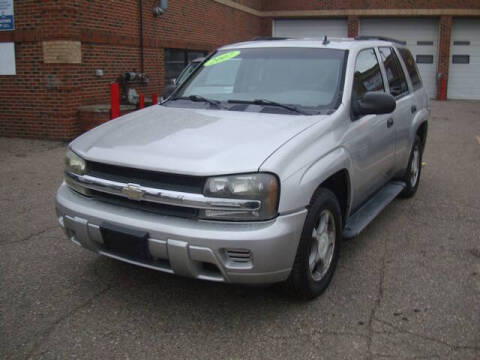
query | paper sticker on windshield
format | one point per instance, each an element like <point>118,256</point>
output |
<point>221,58</point>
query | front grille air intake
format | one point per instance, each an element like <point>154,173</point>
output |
<point>239,256</point>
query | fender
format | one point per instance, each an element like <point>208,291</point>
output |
<point>305,181</point>
<point>420,117</point>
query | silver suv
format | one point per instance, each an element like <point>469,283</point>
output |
<point>256,167</point>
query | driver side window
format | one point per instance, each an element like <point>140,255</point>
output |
<point>368,76</point>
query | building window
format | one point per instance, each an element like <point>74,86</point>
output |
<point>177,59</point>
<point>464,43</point>
<point>424,59</point>
<point>461,59</point>
<point>425,43</point>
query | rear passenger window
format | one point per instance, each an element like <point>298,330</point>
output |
<point>396,77</point>
<point>411,68</point>
<point>367,74</point>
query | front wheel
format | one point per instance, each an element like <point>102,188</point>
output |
<point>412,174</point>
<point>318,250</point>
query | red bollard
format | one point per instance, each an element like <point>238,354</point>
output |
<point>141,101</point>
<point>114,101</point>
<point>443,89</point>
<point>154,99</point>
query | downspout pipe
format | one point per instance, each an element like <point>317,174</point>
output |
<point>142,56</point>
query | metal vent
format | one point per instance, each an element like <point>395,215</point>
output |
<point>239,256</point>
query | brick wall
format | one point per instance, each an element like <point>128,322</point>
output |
<point>444,56</point>
<point>42,100</point>
<point>272,5</point>
<point>53,79</point>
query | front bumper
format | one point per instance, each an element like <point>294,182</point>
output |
<point>251,253</point>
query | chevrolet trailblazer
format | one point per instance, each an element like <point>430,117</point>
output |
<point>255,167</point>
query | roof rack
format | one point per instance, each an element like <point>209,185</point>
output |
<point>268,38</point>
<point>383,38</point>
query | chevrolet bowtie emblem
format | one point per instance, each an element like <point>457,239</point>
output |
<point>133,192</point>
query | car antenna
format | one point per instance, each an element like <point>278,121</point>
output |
<point>325,40</point>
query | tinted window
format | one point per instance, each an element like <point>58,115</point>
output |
<point>396,77</point>
<point>424,59</point>
<point>461,59</point>
<point>411,68</point>
<point>306,77</point>
<point>367,74</point>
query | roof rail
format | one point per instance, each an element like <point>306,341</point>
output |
<point>383,38</point>
<point>268,38</point>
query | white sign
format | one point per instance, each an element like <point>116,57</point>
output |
<point>7,21</point>
<point>7,59</point>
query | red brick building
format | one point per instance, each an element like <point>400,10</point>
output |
<point>67,52</point>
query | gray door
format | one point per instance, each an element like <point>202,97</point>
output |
<point>370,139</point>
<point>406,106</point>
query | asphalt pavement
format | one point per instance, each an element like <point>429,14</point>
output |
<point>408,287</point>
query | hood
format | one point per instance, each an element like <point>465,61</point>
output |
<point>190,141</point>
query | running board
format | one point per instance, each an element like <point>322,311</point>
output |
<point>369,211</point>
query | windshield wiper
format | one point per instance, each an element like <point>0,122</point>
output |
<point>269,102</point>
<point>198,98</point>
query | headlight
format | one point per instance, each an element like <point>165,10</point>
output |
<point>258,186</point>
<point>74,163</point>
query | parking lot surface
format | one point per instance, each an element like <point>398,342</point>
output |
<point>407,287</point>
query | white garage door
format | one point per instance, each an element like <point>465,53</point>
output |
<point>310,28</point>
<point>421,36</point>
<point>464,73</point>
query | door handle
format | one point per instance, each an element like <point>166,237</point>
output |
<point>413,109</point>
<point>390,123</point>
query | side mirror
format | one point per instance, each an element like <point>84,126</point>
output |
<point>169,89</point>
<point>374,103</point>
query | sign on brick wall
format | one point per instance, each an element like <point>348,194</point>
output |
<point>62,52</point>
<point>7,21</point>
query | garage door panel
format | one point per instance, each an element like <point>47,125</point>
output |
<point>310,28</point>
<point>464,79</point>
<point>421,37</point>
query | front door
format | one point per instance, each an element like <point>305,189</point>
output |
<point>370,139</point>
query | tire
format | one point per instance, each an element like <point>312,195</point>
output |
<point>411,180</point>
<point>303,282</point>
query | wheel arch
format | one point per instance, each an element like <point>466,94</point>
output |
<point>339,184</point>
<point>422,131</point>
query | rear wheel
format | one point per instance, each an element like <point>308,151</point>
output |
<point>412,175</point>
<point>318,249</point>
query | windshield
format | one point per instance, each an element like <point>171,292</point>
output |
<point>304,77</point>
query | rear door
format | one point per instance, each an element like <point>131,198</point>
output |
<point>406,107</point>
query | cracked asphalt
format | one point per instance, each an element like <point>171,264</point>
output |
<point>408,287</point>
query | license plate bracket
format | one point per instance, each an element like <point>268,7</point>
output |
<point>126,242</point>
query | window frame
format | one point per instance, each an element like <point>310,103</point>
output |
<point>423,58</point>
<point>460,56</point>
<point>377,56</point>
<point>402,69</point>
<point>185,60</point>
<point>379,67</point>
<point>336,101</point>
